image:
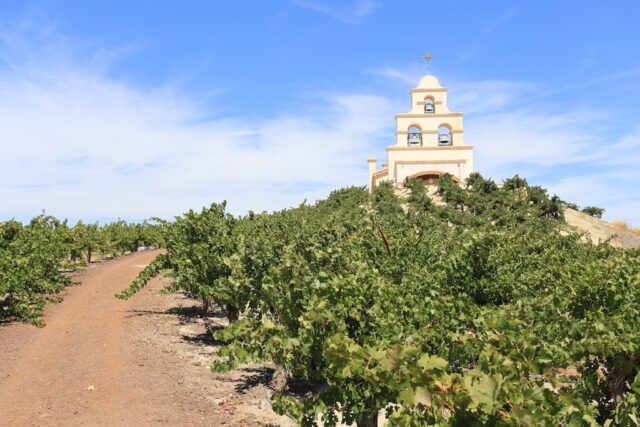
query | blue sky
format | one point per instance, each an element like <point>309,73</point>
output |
<point>141,108</point>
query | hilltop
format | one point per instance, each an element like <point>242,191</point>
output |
<point>600,230</point>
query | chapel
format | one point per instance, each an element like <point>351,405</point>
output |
<point>429,141</point>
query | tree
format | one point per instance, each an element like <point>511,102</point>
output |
<point>593,211</point>
<point>88,238</point>
<point>515,183</point>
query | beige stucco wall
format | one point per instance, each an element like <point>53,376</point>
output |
<point>404,161</point>
<point>380,178</point>
<point>439,96</point>
<point>407,161</point>
<point>429,124</point>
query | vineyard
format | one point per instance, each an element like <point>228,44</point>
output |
<point>34,258</point>
<point>481,310</point>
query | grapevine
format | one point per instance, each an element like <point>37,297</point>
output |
<point>483,311</point>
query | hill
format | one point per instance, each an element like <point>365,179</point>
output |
<point>483,309</point>
<point>600,230</point>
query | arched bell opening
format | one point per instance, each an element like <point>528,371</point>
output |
<point>429,105</point>
<point>444,135</point>
<point>414,136</point>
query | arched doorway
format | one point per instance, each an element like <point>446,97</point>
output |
<point>431,177</point>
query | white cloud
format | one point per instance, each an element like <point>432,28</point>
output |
<point>410,76</point>
<point>525,138</point>
<point>574,153</point>
<point>471,97</point>
<point>350,12</point>
<point>610,190</point>
<point>82,145</point>
<point>570,153</point>
<point>486,96</point>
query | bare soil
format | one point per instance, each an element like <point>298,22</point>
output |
<point>599,230</point>
<point>100,361</point>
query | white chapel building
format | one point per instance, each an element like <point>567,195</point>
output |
<point>429,141</point>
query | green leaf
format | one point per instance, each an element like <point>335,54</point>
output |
<point>429,362</point>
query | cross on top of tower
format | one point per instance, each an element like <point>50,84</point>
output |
<point>428,57</point>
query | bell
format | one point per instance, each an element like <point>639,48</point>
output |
<point>415,139</point>
<point>444,139</point>
<point>428,107</point>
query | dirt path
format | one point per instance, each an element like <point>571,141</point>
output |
<point>102,361</point>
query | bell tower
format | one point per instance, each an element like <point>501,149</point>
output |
<point>429,140</point>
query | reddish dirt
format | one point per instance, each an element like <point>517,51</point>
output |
<point>103,361</point>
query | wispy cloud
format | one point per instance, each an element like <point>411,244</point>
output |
<point>348,11</point>
<point>499,21</point>
<point>410,75</point>
<point>470,97</point>
<point>81,144</point>
<point>572,152</point>
<point>529,140</point>
<point>610,190</point>
<point>488,96</point>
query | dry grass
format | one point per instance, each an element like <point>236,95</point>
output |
<point>624,225</point>
<point>618,223</point>
<point>620,233</point>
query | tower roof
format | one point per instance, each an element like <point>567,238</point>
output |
<point>429,82</point>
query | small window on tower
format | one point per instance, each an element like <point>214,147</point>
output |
<point>429,105</point>
<point>444,135</point>
<point>414,136</point>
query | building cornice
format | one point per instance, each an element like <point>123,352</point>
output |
<point>423,90</point>
<point>424,132</point>
<point>431,162</point>
<point>380,173</point>
<point>427,132</point>
<point>422,116</point>
<point>444,148</point>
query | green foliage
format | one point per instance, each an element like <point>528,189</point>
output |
<point>201,252</point>
<point>87,238</point>
<point>32,258</point>
<point>120,237</point>
<point>157,266</point>
<point>198,246</point>
<point>515,183</point>
<point>418,200</point>
<point>514,202</point>
<point>593,211</point>
<point>481,311</point>
<point>452,193</point>
<point>385,200</point>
